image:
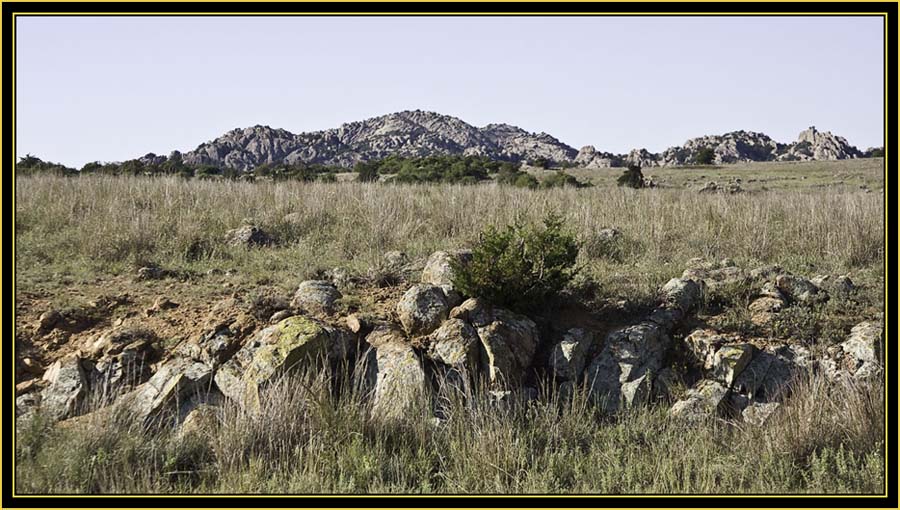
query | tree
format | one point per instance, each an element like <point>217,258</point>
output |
<point>705,156</point>
<point>632,177</point>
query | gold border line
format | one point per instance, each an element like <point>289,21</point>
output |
<point>884,15</point>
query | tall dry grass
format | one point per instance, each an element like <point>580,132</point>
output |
<point>109,221</point>
<point>305,439</point>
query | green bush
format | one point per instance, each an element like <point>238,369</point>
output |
<point>521,266</point>
<point>705,156</point>
<point>632,177</point>
<point>560,180</point>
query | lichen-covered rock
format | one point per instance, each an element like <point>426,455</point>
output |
<point>799,289</point>
<point>316,296</point>
<point>422,309</point>
<point>454,343</point>
<point>683,293</point>
<point>66,389</point>
<point>276,349</point>
<point>865,348</point>
<point>705,399</point>
<point>729,361</point>
<point>763,309</point>
<point>439,270</point>
<point>770,373</point>
<point>839,285</point>
<point>702,345</point>
<point>758,413</point>
<point>510,342</point>
<point>628,354</point>
<point>177,381</point>
<point>715,278</point>
<point>248,236</point>
<point>569,355</point>
<point>400,381</point>
<point>202,421</point>
<point>865,342</point>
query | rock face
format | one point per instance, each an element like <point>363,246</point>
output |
<point>67,388</point>
<point>816,145</point>
<point>407,133</point>
<point>703,400</point>
<point>178,386</point>
<point>422,309</point>
<point>276,349</point>
<point>419,133</point>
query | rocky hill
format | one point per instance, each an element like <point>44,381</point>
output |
<point>419,133</point>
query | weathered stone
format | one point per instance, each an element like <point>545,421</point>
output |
<point>66,389</point>
<point>628,354</point>
<point>705,399</point>
<point>683,293</point>
<point>400,381</point>
<point>799,289</point>
<point>702,345</point>
<point>455,343</point>
<point>763,310</point>
<point>637,392</point>
<point>865,343</point>
<point>316,296</point>
<point>48,320</point>
<point>841,285</point>
<point>175,382</point>
<point>771,371</point>
<point>509,341</point>
<point>422,309</point>
<point>202,421</point>
<point>568,356</point>
<point>758,413</point>
<point>439,270</point>
<point>276,349</point>
<point>717,277</point>
<point>248,236</point>
<point>729,361</point>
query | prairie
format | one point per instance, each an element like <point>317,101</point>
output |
<point>81,240</point>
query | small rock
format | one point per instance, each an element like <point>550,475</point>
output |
<point>798,289</point>
<point>454,343</point>
<point>683,293</point>
<point>248,236</point>
<point>150,273</point>
<point>316,296</point>
<point>422,309</point>
<point>758,413</point>
<point>439,270</point>
<point>703,400</point>
<point>280,315</point>
<point>48,320</point>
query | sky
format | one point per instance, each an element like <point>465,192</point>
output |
<point>116,88</point>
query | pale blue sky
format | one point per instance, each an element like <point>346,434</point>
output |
<point>116,88</point>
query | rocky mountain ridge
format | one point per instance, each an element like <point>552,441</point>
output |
<point>420,133</point>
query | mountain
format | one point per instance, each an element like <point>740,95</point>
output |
<point>407,134</point>
<point>420,133</point>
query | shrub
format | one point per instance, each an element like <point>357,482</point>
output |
<point>520,266</point>
<point>560,180</point>
<point>632,177</point>
<point>705,156</point>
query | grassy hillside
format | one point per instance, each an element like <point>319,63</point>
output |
<point>80,240</point>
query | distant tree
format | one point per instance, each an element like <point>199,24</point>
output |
<point>876,153</point>
<point>540,162</point>
<point>705,156</point>
<point>632,177</point>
